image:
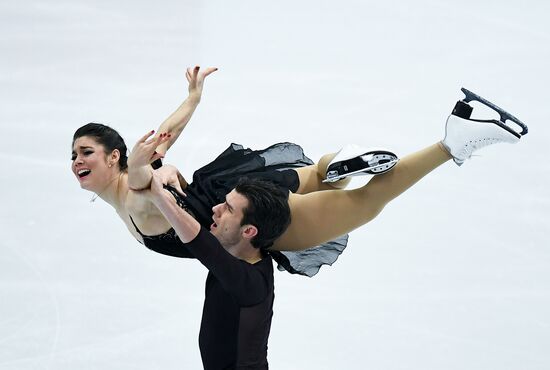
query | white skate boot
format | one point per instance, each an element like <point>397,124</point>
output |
<point>464,135</point>
<point>352,160</point>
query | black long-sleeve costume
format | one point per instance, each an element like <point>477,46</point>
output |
<point>238,306</point>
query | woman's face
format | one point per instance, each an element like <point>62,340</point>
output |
<point>90,164</point>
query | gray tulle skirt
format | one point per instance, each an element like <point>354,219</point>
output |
<point>277,163</point>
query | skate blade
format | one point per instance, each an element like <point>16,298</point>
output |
<point>504,115</point>
<point>374,170</point>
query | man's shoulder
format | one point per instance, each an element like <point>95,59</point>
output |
<point>265,266</point>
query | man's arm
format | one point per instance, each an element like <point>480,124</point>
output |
<point>185,225</point>
<point>246,283</point>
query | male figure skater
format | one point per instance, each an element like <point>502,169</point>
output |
<point>238,306</point>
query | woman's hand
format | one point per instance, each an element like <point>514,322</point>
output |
<point>144,152</point>
<point>196,77</point>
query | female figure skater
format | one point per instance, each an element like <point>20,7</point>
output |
<point>321,212</point>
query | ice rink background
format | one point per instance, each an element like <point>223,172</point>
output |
<point>453,275</point>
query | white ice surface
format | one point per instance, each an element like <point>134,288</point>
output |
<point>453,275</point>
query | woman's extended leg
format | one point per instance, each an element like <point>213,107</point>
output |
<point>311,177</point>
<point>318,217</point>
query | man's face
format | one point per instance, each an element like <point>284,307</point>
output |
<point>227,219</point>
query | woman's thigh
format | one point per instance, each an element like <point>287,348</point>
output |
<point>319,217</point>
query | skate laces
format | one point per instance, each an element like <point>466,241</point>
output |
<point>471,146</point>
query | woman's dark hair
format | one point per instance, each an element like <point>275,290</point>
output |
<point>107,137</point>
<point>267,209</point>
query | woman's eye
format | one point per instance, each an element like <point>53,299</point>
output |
<point>86,153</point>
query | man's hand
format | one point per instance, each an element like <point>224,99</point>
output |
<point>196,77</point>
<point>166,175</point>
<point>144,152</point>
<point>185,225</point>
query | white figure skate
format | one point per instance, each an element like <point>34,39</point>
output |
<point>352,160</point>
<point>464,135</point>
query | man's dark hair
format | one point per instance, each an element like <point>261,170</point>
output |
<point>106,136</point>
<point>267,209</point>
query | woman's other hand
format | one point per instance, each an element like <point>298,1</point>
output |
<point>196,78</point>
<point>144,152</point>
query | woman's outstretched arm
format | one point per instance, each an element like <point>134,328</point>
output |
<point>177,121</point>
<point>145,152</point>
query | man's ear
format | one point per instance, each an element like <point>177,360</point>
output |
<point>249,232</point>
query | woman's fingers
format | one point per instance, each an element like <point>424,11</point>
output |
<point>149,147</point>
<point>146,136</point>
<point>209,70</point>
<point>162,138</point>
<point>159,139</point>
<point>193,75</point>
<point>196,71</point>
<point>155,156</point>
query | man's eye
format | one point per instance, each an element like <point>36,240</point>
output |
<point>88,152</point>
<point>73,157</point>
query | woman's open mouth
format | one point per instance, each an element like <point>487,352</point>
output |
<point>83,173</point>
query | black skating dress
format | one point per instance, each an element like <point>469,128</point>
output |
<point>212,182</point>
